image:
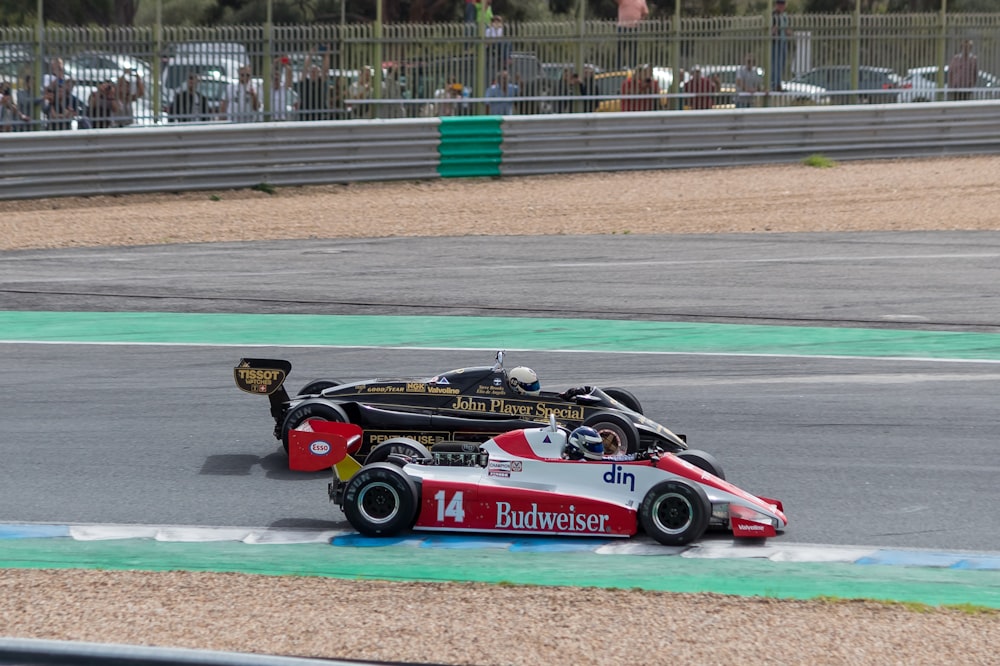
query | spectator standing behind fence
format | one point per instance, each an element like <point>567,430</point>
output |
<point>361,90</point>
<point>27,103</point>
<point>781,32</point>
<point>103,106</point>
<point>748,84</point>
<point>282,94</point>
<point>56,73</point>
<point>130,88</point>
<point>498,49</point>
<point>11,117</point>
<point>484,12</point>
<point>640,82</point>
<point>392,93</point>
<point>62,107</point>
<point>502,90</point>
<point>963,72</point>
<point>588,88</point>
<point>630,14</point>
<point>569,88</point>
<point>241,103</point>
<point>313,90</point>
<point>703,90</point>
<point>188,105</point>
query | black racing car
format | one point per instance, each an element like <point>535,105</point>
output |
<point>467,404</point>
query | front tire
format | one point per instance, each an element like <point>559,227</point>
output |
<point>675,512</point>
<point>381,500</point>
<point>404,446</point>
<point>311,410</point>
<point>618,433</point>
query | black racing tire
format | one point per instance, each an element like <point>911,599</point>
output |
<point>381,500</point>
<point>702,460</point>
<point>404,446</point>
<point>317,409</point>
<point>619,434</point>
<point>316,386</point>
<point>627,398</point>
<point>675,512</point>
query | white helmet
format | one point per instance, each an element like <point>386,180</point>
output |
<point>524,380</point>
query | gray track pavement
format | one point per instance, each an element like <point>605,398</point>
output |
<point>882,453</point>
<point>933,280</point>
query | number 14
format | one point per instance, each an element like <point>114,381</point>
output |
<point>452,509</point>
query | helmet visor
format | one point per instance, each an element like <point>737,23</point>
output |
<point>533,387</point>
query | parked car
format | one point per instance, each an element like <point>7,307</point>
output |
<point>791,92</point>
<point>920,85</point>
<point>210,51</point>
<point>876,85</point>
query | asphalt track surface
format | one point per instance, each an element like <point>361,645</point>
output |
<point>893,452</point>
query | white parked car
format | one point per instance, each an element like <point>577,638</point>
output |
<point>920,85</point>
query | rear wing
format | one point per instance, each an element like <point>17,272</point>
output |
<point>265,376</point>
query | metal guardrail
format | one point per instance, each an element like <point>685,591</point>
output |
<point>122,161</point>
<point>168,159</point>
<point>23,651</point>
<point>582,142</point>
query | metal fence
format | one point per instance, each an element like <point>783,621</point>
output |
<point>432,69</point>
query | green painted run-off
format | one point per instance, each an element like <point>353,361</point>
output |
<point>492,333</point>
<point>749,577</point>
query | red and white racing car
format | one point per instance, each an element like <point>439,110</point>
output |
<point>518,482</point>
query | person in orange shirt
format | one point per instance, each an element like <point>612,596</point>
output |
<point>630,13</point>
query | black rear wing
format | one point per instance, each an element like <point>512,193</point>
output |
<point>265,376</point>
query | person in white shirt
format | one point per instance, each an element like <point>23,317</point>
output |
<point>242,101</point>
<point>282,95</point>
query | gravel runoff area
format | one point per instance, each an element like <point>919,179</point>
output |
<point>496,624</point>
<point>854,196</point>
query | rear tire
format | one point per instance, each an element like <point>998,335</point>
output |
<point>675,512</point>
<point>317,386</point>
<point>381,500</point>
<point>702,460</point>
<point>618,433</point>
<point>311,410</point>
<point>627,398</point>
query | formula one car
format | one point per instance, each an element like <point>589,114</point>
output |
<point>468,404</point>
<point>520,482</point>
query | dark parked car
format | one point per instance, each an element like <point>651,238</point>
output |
<point>876,85</point>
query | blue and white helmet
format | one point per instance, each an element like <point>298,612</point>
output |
<point>584,442</point>
<point>524,380</point>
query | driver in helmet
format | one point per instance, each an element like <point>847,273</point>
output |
<point>584,443</point>
<point>524,381</point>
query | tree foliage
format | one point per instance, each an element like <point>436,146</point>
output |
<point>216,12</point>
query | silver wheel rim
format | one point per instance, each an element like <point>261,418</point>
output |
<point>378,503</point>
<point>672,513</point>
